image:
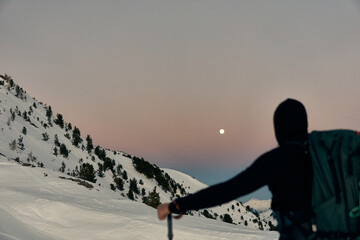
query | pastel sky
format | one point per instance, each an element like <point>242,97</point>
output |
<point>158,79</point>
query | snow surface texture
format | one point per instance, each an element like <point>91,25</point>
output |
<point>37,204</point>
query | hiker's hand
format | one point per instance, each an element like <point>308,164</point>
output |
<point>163,211</point>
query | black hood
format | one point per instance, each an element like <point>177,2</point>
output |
<point>290,122</point>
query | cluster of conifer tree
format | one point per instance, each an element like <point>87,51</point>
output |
<point>152,171</point>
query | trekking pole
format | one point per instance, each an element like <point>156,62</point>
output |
<point>169,221</point>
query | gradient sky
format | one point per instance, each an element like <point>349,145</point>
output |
<point>158,79</point>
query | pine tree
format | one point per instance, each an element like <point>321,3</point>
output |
<point>59,120</point>
<point>207,214</point>
<point>87,172</point>
<point>119,184</point>
<point>134,186</point>
<point>49,112</point>
<point>118,169</point>
<point>24,130</point>
<point>153,199</point>
<point>89,145</point>
<point>19,92</point>
<point>109,164</point>
<point>45,136</point>
<point>25,116</point>
<point>76,136</point>
<point>13,115</point>
<point>124,175</point>
<point>227,218</point>
<point>130,195</point>
<point>63,167</point>
<point>101,170</point>
<point>100,153</point>
<point>31,158</point>
<point>55,151</point>
<point>64,151</point>
<point>9,80</point>
<point>56,141</point>
<point>21,143</point>
<point>12,145</point>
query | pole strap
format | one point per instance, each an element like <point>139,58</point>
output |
<point>177,207</point>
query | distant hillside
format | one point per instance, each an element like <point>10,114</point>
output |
<point>259,205</point>
<point>262,209</point>
<point>33,135</point>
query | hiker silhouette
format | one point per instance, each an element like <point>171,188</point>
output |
<point>286,170</point>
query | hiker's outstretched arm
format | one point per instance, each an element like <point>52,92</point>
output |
<point>246,182</point>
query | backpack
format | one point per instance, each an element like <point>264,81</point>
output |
<point>335,158</point>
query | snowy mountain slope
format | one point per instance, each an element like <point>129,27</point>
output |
<point>259,205</point>
<point>30,134</point>
<point>262,207</point>
<point>37,204</point>
<point>238,211</point>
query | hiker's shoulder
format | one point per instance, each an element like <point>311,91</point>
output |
<point>270,155</point>
<point>274,152</point>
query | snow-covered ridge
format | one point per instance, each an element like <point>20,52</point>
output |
<point>263,210</point>
<point>259,205</point>
<point>32,136</point>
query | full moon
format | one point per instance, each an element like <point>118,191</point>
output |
<point>222,131</point>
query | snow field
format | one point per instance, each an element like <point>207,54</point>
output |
<point>35,206</point>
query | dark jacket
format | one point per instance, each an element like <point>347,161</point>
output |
<point>286,170</point>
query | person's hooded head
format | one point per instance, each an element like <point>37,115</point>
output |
<point>290,122</point>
